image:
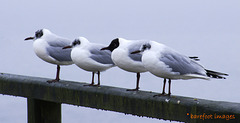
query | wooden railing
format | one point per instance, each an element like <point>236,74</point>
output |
<point>45,99</point>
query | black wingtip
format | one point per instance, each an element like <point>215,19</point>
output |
<point>214,74</point>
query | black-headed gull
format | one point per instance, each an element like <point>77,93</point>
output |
<point>48,47</point>
<point>167,63</point>
<point>89,57</point>
<point>122,57</point>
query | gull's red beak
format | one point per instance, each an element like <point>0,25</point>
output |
<point>67,47</point>
<point>29,38</point>
<point>105,48</point>
<point>135,52</point>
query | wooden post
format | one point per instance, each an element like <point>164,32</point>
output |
<point>40,111</point>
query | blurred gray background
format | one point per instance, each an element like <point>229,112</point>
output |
<point>203,28</point>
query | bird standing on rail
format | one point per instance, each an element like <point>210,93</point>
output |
<point>89,57</point>
<point>121,55</point>
<point>167,63</point>
<point>48,47</point>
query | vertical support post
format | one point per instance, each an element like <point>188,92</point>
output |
<point>40,111</point>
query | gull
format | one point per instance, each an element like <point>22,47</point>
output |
<point>167,63</point>
<point>48,47</point>
<point>121,55</point>
<point>89,57</point>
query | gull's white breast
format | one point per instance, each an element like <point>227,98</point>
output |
<point>81,57</point>
<point>121,59</point>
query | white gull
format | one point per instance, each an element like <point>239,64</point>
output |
<point>122,57</point>
<point>89,57</point>
<point>167,63</point>
<point>48,47</point>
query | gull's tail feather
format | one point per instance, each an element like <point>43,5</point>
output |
<point>214,74</point>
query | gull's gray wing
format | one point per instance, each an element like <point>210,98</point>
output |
<point>55,49</point>
<point>59,42</point>
<point>180,63</point>
<point>101,56</point>
<point>134,47</point>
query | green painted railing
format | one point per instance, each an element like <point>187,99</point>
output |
<point>44,101</point>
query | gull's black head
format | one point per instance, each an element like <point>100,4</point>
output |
<point>39,33</point>
<point>113,45</point>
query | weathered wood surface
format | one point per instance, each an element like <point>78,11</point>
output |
<point>139,103</point>
<point>40,111</point>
